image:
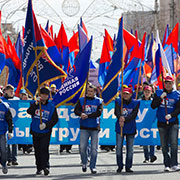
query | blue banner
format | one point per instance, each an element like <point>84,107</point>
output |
<point>67,131</point>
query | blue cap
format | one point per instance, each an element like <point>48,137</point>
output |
<point>22,91</point>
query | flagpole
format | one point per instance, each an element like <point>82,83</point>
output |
<point>165,103</point>
<point>38,85</point>
<point>83,108</point>
<point>122,68</point>
<point>84,103</point>
<point>176,69</point>
<point>166,112</point>
<point>7,73</point>
<point>137,90</point>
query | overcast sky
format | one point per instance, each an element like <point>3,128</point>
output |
<point>97,15</point>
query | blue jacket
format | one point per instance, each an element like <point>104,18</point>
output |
<point>130,110</point>
<point>47,112</point>
<point>3,122</point>
<point>91,108</point>
<point>172,108</point>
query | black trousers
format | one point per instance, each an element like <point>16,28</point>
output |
<point>41,148</point>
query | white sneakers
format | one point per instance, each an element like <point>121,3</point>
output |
<point>93,171</point>
<point>167,169</point>
<point>174,168</point>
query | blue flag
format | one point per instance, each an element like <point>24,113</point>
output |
<point>131,72</point>
<point>2,51</point>
<point>28,52</point>
<point>92,66</point>
<point>35,54</point>
<point>14,74</point>
<point>72,88</point>
<point>110,87</point>
<point>171,56</point>
<point>82,38</point>
<point>47,26</point>
<point>19,46</point>
<point>149,58</point>
<point>103,68</point>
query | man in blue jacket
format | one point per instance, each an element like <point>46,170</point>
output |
<point>167,103</point>
<point>89,109</point>
<point>126,120</point>
<point>6,124</point>
<point>42,132</point>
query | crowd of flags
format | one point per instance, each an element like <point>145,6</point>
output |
<point>41,56</point>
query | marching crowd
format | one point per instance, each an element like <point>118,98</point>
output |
<point>89,110</point>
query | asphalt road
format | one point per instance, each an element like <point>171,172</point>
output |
<point>67,166</point>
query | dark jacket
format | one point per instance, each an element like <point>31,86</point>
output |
<point>9,120</point>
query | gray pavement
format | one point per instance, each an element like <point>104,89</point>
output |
<point>67,166</point>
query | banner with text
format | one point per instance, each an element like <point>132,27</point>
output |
<point>67,131</point>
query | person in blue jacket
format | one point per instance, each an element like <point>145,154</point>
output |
<point>41,132</point>
<point>6,124</point>
<point>89,110</point>
<point>127,121</point>
<point>11,148</point>
<point>167,103</point>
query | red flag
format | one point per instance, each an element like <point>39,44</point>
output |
<point>1,39</point>
<point>13,62</point>
<point>142,48</point>
<point>62,40</point>
<point>52,49</point>
<point>129,39</point>
<point>20,85</point>
<point>0,21</point>
<point>107,47</point>
<point>47,38</point>
<point>7,53</point>
<point>135,49</point>
<point>173,38</point>
<point>109,41</point>
<point>105,56</point>
<point>23,30</point>
<point>159,68</point>
<point>138,52</point>
<point>51,31</point>
<point>13,55</point>
<point>74,44</point>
